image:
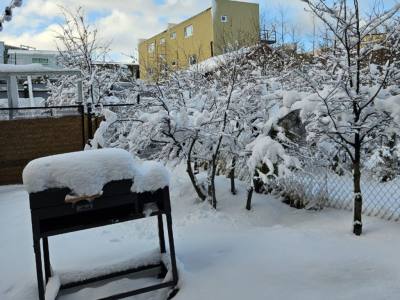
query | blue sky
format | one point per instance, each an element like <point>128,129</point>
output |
<point>123,22</point>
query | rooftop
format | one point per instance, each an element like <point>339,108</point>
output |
<point>25,51</point>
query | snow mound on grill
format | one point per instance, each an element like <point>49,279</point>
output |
<point>84,172</point>
<point>150,176</point>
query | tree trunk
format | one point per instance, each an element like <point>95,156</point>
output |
<point>209,184</point>
<point>212,182</point>
<point>192,176</point>
<point>197,188</point>
<point>232,177</point>
<point>357,221</point>
<point>249,197</point>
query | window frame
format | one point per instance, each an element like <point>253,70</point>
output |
<point>224,19</point>
<point>40,60</point>
<point>172,35</point>
<point>151,48</point>
<point>186,33</point>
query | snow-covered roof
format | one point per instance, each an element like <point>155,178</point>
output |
<point>214,62</point>
<point>33,69</point>
<point>33,52</point>
<point>113,63</point>
<point>86,172</point>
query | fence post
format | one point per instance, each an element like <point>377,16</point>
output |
<point>81,110</point>
<point>326,200</point>
<point>80,92</point>
<point>89,117</point>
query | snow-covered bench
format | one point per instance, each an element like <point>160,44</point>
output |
<point>82,190</point>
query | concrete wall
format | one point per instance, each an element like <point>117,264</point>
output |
<point>24,140</point>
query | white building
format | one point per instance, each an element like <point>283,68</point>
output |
<point>26,57</point>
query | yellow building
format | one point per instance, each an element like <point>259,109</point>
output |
<point>226,25</point>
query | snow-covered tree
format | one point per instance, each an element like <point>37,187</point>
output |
<point>81,48</point>
<point>354,99</point>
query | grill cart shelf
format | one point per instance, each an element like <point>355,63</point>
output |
<point>54,211</point>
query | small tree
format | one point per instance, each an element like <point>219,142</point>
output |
<point>80,47</point>
<point>351,91</point>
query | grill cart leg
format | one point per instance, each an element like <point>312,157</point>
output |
<point>161,233</point>
<point>172,248</point>
<point>46,256</point>
<point>39,271</point>
<point>161,236</point>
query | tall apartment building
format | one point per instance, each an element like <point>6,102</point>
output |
<point>214,31</point>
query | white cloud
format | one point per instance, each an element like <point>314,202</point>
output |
<point>125,21</point>
<point>122,22</point>
<point>42,40</point>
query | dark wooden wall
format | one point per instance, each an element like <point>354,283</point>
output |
<point>24,140</point>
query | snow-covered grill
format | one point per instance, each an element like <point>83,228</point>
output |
<point>82,190</point>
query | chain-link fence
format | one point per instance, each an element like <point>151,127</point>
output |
<point>318,186</point>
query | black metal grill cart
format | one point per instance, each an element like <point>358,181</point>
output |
<point>59,203</point>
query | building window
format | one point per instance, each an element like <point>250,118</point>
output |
<point>37,60</point>
<point>188,32</point>
<point>162,41</point>
<point>173,35</point>
<point>224,19</point>
<point>152,48</point>
<point>193,59</point>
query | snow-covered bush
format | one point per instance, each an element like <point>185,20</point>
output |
<point>211,119</point>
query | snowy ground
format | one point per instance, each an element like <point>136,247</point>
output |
<point>273,252</point>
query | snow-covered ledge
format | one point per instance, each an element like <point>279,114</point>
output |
<point>34,70</point>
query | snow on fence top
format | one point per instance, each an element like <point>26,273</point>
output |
<point>86,172</point>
